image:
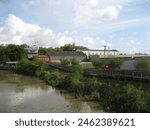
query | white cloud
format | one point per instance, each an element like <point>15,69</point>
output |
<point>110,12</point>
<point>134,50</point>
<point>132,41</point>
<point>17,31</point>
<point>94,43</point>
<point>87,11</point>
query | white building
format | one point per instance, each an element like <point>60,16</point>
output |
<point>101,53</point>
<point>32,51</point>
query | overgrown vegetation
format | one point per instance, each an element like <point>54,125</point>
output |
<point>127,98</point>
<point>107,63</point>
<point>113,98</point>
<point>12,52</point>
<point>27,67</point>
<point>143,64</point>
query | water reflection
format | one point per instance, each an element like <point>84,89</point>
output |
<point>28,94</point>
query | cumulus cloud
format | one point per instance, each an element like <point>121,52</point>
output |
<point>17,31</point>
<point>134,50</point>
<point>132,41</point>
<point>87,11</point>
<point>94,43</point>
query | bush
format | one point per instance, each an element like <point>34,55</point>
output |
<point>100,63</point>
<point>147,108</point>
<point>27,67</point>
<point>91,85</point>
<point>54,78</point>
<point>130,99</point>
<point>94,96</point>
<point>42,69</point>
<point>65,62</point>
<point>143,64</point>
<point>111,63</point>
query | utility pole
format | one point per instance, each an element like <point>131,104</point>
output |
<point>104,50</point>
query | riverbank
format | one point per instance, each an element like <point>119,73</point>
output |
<point>113,97</point>
<point>28,94</point>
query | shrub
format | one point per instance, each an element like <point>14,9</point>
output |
<point>130,99</point>
<point>143,64</point>
<point>65,62</point>
<point>54,78</point>
<point>27,67</point>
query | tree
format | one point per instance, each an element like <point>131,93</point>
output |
<point>15,52</point>
<point>2,53</point>
<point>73,47</point>
<point>68,47</point>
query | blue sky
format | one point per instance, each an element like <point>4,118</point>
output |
<point>119,24</point>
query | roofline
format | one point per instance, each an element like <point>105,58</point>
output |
<point>103,50</point>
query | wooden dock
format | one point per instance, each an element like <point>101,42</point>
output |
<point>143,76</point>
<point>119,74</point>
<point>10,65</point>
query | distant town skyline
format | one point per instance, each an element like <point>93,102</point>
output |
<point>119,24</point>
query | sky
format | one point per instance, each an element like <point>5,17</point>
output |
<point>119,24</point>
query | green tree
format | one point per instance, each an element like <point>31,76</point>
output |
<point>2,53</point>
<point>15,52</point>
<point>73,47</point>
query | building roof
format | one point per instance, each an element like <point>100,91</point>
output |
<point>66,53</point>
<point>104,50</point>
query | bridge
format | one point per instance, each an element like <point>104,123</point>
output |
<point>133,75</point>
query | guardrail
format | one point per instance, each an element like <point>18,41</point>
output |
<point>119,74</point>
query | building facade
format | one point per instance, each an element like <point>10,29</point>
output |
<point>32,51</point>
<point>43,58</point>
<point>101,53</point>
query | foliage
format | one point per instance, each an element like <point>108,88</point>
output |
<point>15,52</point>
<point>75,84</point>
<point>2,53</point>
<point>110,63</point>
<point>65,62</point>
<point>27,67</point>
<point>147,106</point>
<point>143,64</point>
<point>54,78</point>
<point>12,52</point>
<point>115,63</point>
<point>130,99</point>
<point>100,63</point>
<point>91,85</point>
<point>43,51</point>
<point>43,67</point>
<point>73,47</point>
